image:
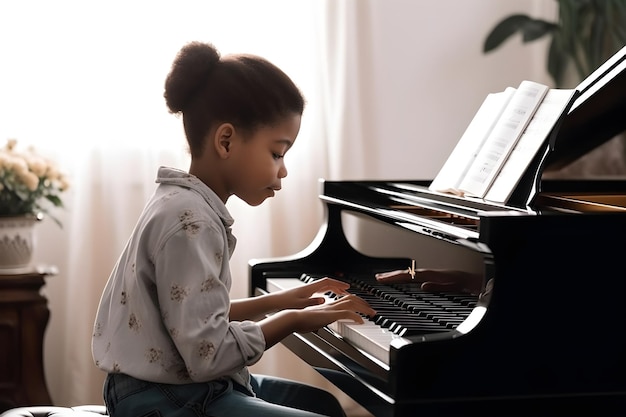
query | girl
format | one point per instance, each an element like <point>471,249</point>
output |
<point>167,334</point>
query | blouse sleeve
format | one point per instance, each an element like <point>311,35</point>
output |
<point>193,282</point>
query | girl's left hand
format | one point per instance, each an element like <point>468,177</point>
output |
<point>311,294</point>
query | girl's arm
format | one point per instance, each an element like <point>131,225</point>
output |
<point>253,308</point>
<point>296,298</point>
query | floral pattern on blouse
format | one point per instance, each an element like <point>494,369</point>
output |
<point>178,293</point>
<point>163,315</point>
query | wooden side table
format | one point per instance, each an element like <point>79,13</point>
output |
<point>24,316</point>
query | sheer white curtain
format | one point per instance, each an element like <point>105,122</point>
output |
<point>83,83</point>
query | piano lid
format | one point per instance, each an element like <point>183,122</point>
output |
<point>596,116</point>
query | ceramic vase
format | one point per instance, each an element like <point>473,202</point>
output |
<point>17,243</point>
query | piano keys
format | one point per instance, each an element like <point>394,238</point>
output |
<point>402,311</point>
<point>549,340</point>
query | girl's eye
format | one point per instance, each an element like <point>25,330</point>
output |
<point>277,156</point>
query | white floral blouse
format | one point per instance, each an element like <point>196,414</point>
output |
<point>163,315</point>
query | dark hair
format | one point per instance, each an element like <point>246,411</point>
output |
<point>245,90</point>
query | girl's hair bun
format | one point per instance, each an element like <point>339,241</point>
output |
<point>190,70</point>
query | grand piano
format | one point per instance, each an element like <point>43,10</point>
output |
<point>551,337</point>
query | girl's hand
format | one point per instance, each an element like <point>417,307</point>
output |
<point>310,294</point>
<point>349,307</point>
<point>306,295</point>
<point>311,318</point>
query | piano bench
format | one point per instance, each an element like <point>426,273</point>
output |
<point>52,411</point>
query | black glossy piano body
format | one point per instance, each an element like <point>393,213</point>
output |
<point>551,340</point>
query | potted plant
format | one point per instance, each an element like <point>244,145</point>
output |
<point>586,34</point>
<point>30,186</point>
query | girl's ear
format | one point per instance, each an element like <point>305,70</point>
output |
<point>223,138</point>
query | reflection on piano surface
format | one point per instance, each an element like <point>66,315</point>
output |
<point>551,338</point>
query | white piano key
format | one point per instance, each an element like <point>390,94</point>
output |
<point>368,337</point>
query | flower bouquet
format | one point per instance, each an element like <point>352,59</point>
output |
<point>29,183</point>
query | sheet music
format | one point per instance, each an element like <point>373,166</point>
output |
<point>503,138</point>
<point>530,142</point>
<point>456,166</point>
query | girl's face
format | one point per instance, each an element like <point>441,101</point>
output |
<point>257,164</point>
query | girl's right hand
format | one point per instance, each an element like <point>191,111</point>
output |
<point>279,325</point>
<point>349,307</point>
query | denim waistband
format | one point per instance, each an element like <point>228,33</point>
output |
<point>125,385</point>
<point>119,387</point>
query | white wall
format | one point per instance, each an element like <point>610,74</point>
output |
<point>431,76</point>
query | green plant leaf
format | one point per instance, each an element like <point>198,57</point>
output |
<point>55,200</point>
<point>530,29</point>
<point>534,29</point>
<point>557,61</point>
<point>503,30</point>
<point>595,49</point>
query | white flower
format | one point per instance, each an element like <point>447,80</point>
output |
<point>37,165</point>
<point>30,180</point>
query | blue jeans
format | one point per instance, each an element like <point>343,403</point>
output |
<point>129,397</point>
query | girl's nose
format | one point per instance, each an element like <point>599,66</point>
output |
<point>282,172</point>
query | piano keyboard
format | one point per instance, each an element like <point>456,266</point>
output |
<point>403,310</point>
